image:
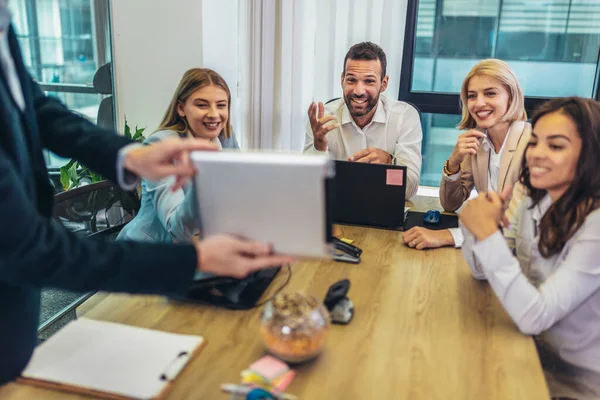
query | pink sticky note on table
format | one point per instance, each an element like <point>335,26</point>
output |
<point>285,381</point>
<point>394,177</point>
<point>269,367</point>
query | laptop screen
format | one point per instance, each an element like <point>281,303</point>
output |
<point>369,194</point>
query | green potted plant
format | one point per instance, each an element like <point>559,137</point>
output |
<point>74,173</point>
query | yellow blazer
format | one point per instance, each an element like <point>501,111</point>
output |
<point>474,169</point>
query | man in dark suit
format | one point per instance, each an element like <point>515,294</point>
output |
<point>35,252</point>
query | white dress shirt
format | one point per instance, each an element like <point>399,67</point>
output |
<point>494,161</point>
<point>395,129</point>
<point>493,172</point>
<point>557,298</point>
<point>125,179</point>
<point>8,67</point>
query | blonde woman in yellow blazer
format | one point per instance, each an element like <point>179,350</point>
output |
<point>488,155</point>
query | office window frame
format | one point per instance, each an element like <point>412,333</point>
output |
<point>102,47</point>
<point>447,103</point>
<point>102,39</point>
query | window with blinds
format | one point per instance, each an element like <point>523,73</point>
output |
<point>552,46</point>
<point>549,30</point>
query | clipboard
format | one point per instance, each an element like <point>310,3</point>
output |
<point>111,361</point>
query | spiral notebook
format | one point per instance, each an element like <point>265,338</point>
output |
<point>110,360</point>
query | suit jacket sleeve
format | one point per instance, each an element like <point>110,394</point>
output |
<point>72,136</point>
<point>36,251</point>
<point>453,193</point>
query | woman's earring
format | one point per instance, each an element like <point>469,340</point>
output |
<point>185,123</point>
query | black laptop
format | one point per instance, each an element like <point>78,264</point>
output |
<point>232,293</point>
<point>369,194</point>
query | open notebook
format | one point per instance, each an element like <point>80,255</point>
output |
<point>111,360</point>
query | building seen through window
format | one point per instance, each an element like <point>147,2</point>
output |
<point>552,45</point>
<point>64,42</point>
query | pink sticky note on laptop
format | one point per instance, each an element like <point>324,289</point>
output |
<point>394,177</point>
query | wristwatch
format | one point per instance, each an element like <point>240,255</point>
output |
<point>392,159</point>
<point>447,169</point>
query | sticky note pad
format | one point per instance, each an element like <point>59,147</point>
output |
<point>284,381</point>
<point>252,378</point>
<point>269,367</point>
<point>349,241</point>
<point>394,177</point>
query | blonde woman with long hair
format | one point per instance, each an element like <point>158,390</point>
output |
<point>488,155</point>
<point>200,108</point>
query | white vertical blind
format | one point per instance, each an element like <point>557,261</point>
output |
<point>470,8</point>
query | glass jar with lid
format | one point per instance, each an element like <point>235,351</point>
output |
<point>294,327</point>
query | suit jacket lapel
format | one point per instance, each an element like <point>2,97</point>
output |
<point>515,131</point>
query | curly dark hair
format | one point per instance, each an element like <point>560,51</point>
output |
<point>367,51</point>
<point>567,214</point>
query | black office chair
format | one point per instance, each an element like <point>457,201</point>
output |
<point>103,84</point>
<point>97,209</point>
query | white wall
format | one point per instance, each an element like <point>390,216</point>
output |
<point>155,42</point>
<point>153,45</point>
<point>220,42</point>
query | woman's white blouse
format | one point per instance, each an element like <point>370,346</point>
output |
<point>557,298</point>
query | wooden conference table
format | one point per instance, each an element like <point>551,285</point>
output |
<point>423,329</point>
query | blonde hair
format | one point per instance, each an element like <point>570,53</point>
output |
<point>500,71</point>
<point>192,80</point>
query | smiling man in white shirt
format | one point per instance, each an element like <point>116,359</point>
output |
<point>365,125</point>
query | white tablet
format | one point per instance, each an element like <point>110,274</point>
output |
<point>276,198</point>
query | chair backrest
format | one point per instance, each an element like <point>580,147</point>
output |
<point>415,107</point>
<point>103,79</point>
<point>106,114</point>
<point>103,85</point>
<point>100,208</point>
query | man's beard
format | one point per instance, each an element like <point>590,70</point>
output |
<point>371,103</point>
